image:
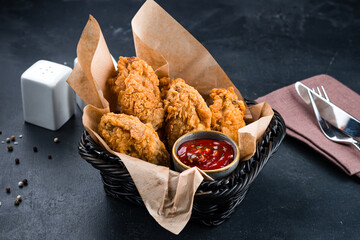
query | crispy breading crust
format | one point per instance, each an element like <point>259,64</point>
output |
<point>185,111</point>
<point>137,88</point>
<point>164,86</point>
<point>127,134</point>
<point>227,112</point>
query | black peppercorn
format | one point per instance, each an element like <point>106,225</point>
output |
<point>17,161</point>
<point>49,157</point>
<point>12,138</point>
<point>0,132</point>
<point>10,148</point>
<point>8,190</point>
<point>25,181</point>
<point>35,149</point>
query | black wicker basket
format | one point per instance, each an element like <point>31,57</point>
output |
<point>214,201</point>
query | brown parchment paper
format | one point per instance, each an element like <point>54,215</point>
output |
<point>187,58</point>
<point>251,133</point>
<point>174,52</point>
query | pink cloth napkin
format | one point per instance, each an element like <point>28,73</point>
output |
<point>301,122</point>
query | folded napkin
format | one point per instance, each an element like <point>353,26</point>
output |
<point>301,122</point>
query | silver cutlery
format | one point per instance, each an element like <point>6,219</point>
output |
<point>331,132</point>
<point>330,112</point>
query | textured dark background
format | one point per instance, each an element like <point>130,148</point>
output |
<point>262,46</point>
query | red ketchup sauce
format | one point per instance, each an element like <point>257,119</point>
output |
<point>206,154</point>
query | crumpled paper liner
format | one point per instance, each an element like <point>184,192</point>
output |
<point>251,133</point>
<point>174,52</point>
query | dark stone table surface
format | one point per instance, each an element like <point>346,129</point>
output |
<point>262,46</point>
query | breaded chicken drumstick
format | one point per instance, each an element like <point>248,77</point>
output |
<point>227,112</point>
<point>127,134</point>
<point>185,111</point>
<point>137,88</point>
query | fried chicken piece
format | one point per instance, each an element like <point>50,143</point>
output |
<point>137,88</point>
<point>127,134</point>
<point>185,111</point>
<point>164,86</point>
<point>227,112</point>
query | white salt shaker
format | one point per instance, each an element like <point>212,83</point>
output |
<point>47,98</point>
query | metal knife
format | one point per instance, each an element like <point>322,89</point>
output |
<point>330,112</point>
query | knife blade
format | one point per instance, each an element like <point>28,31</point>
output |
<point>330,112</point>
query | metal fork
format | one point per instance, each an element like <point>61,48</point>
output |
<point>329,130</point>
